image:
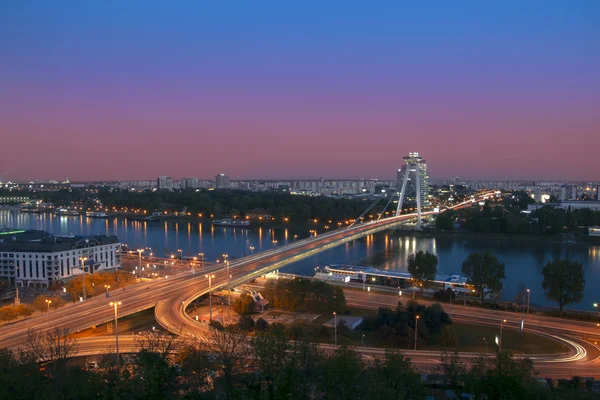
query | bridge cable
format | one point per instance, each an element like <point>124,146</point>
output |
<point>373,204</point>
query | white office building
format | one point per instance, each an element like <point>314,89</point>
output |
<point>36,258</point>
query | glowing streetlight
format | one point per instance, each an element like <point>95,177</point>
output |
<point>210,278</point>
<point>501,325</point>
<point>116,304</point>
<point>48,302</point>
<point>335,327</point>
<point>140,251</point>
<point>416,329</point>
<point>83,259</point>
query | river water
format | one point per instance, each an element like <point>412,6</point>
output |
<point>523,258</point>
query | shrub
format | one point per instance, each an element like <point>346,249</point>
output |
<point>448,337</point>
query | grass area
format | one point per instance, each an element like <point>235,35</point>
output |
<point>470,338</point>
<point>143,320</point>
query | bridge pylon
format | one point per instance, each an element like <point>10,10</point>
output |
<point>413,165</point>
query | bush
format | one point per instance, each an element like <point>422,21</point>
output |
<point>246,323</point>
<point>216,325</point>
<point>448,337</point>
<point>244,305</point>
<point>261,325</point>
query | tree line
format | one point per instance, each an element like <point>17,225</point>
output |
<point>226,364</point>
<point>563,279</point>
<point>507,218</point>
<point>218,203</point>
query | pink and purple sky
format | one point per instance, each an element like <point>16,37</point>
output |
<point>134,90</point>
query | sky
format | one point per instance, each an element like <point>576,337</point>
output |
<point>118,90</point>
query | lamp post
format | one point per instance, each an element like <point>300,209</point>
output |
<point>140,251</point>
<point>501,325</point>
<point>210,278</point>
<point>295,237</point>
<point>416,330</point>
<point>274,243</point>
<point>251,249</point>
<point>180,254</point>
<point>335,327</point>
<point>201,259</point>
<point>528,298</point>
<point>83,259</point>
<point>107,287</point>
<point>48,302</point>
<point>116,304</point>
<point>228,281</point>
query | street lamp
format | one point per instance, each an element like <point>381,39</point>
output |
<point>140,251</point>
<point>116,304</point>
<point>500,344</point>
<point>295,237</point>
<point>210,278</point>
<point>228,280</point>
<point>83,259</point>
<point>335,327</point>
<point>107,287</point>
<point>528,298</point>
<point>274,243</point>
<point>48,302</point>
<point>201,259</point>
<point>251,249</point>
<point>416,329</point>
<point>180,254</point>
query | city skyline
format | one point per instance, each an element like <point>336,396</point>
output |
<point>284,91</point>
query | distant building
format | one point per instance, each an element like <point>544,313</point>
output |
<point>573,204</point>
<point>164,183</point>
<point>36,258</point>
<point>221,181</point>
<point>189,183</point>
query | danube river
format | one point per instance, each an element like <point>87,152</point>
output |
<point>523,258</point>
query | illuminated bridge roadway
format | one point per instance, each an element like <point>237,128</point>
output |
<point>168,295</point>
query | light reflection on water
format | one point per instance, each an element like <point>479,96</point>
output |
<point>524,259</point>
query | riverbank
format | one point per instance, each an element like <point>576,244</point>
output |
<point>466,234</point>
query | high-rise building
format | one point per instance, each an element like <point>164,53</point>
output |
<point>164,183</point>
<point>411,188</point>
<point>221,181</point>
<point>189,183</point>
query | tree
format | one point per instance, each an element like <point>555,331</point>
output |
<point>261,325</point>
<point>394,378</point>
<point>40,303</point>
<point>485,272</point>
<point>422,266</point>
<point>52,346</point>
<point>270,350</point>
<point>57,302</point>
<point>342,374</point>
<point>448,337</point>
<point>243,305</point>
<point>246,323</point>
<point>563,281</point>
<point>23,310</point>
<point>229,348</point>
<point>444,222</point>
<point>8,313</point>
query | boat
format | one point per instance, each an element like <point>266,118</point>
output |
<point>67,212</point>
<point>376,276</point>
<point>231,222</point>
<point>97,214</point>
